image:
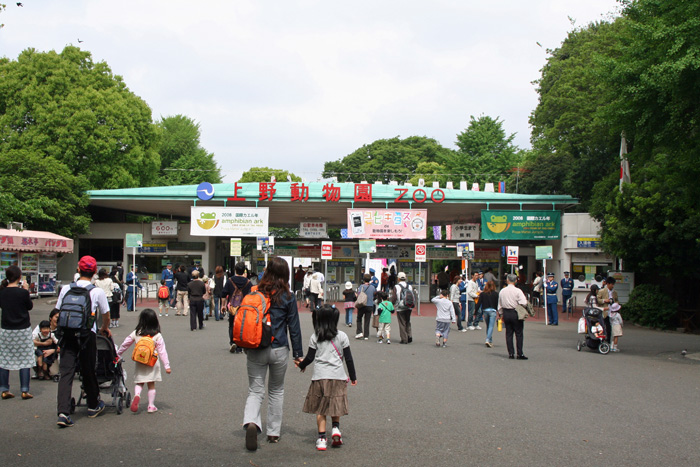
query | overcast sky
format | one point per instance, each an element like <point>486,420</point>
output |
<point>291,84</point>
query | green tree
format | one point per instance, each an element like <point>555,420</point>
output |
<point>67,107</point>
<point>386,159</point>
<point>183,160</point>
<point>484,151</point>
<point>654,224</point>
<point>574,145</point>
<point>265,174</point>
<point>42,193</point>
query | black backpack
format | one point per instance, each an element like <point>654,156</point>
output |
<point>406,300</point>
<point>75,314</point>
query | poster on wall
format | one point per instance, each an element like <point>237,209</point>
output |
<point>520,225</point>
<point>387,223</point>
<point>229,222</point>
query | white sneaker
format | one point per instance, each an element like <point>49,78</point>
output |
<point>358,336</point>
<point>321,444</point>
<point>472,328</point>
<point>335,436</point>
<point>478,327</point>
<point>463,330</point>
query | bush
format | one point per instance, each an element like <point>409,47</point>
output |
<point>650,306</point>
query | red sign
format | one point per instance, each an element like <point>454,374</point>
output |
<point>326,250</point>
<point>421,252</point>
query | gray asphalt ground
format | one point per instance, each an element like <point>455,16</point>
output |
<point>414,405</point>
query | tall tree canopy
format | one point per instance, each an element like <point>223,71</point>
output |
<point>483,149</point>
<point>639,74</point>
<point>654,224</point>
<point>67,107</point>
<point>41,193</point>
<point>386,159</point>
<point>574,145</point>
<point>182,158</point>
<point>265,174</point>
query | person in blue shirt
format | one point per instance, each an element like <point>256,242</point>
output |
<point>567,289</point>
<point>130,299</point>
<point>375,281</point>
<point>168,276</point>
<point>551,286</point>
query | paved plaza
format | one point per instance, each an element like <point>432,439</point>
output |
<point>414,405</point>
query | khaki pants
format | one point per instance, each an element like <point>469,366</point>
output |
<point>182,302</point>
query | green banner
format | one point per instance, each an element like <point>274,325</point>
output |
<point>520,225</point>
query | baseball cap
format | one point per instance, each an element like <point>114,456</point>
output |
<point>402,275</point>
<point>87,263</point>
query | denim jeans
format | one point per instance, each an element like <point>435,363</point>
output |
<point>217,307</point>
<point>463,314</point>
<point>348,316</point>
<point>458,315</point>
<point>490,319</point>
<point>129,299</point>
<point>470,319</point>
<point>24,376</point>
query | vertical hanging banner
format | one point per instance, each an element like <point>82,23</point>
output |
<point>214,221</point>
<point>387,223</point>
<point>513,254</point>
<point>326,250</point>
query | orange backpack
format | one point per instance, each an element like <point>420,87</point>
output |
<point>163,292</point>
<point>145,351</point>
<point>251,327</point>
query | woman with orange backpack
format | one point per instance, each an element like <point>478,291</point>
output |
<point>272,356</point>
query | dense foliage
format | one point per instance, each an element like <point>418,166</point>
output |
<point>183,161</point>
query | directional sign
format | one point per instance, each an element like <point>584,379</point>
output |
<point>326,250</point>
<point>421,252</point>
<point>134,240</point>
<point>513,255</point>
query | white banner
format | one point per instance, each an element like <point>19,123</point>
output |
<point>465,231</point>
<point>313,230</point>
<point>229,222</point>
<point>164,229</point>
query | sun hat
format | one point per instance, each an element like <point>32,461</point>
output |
<point>348,285</point>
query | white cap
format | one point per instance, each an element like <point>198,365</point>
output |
<point>402,275</point>
<point>348,285</point>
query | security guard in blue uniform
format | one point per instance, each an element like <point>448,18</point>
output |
<point>567,289</point>
<point>551,286</point>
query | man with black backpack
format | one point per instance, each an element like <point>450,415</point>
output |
<point>78,305</point>
<point>404,301</point>
<point>235,289</point>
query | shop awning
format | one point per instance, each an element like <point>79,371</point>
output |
<point>34,240</point>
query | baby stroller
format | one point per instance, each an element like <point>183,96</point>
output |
<point>111,377</point>
<point>596,341</point>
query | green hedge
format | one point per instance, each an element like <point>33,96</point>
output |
<point>650,306</point>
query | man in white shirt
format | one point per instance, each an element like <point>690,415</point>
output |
<point>472,293</point>
<point>82,348</point>
<point>508,299</point>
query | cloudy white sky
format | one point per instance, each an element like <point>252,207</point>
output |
<point>291,84</point>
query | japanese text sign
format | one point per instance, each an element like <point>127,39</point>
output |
<point>326,250</point>
<point>229,222</point>
<point>520,225</point>
<point>387,223</point>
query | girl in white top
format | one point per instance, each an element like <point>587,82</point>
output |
<point>148,326</point>
<point>105,283</point>
<point>328,393</point>
<point>616,322</point>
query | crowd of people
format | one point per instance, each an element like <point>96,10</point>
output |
<point>56,351</point>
